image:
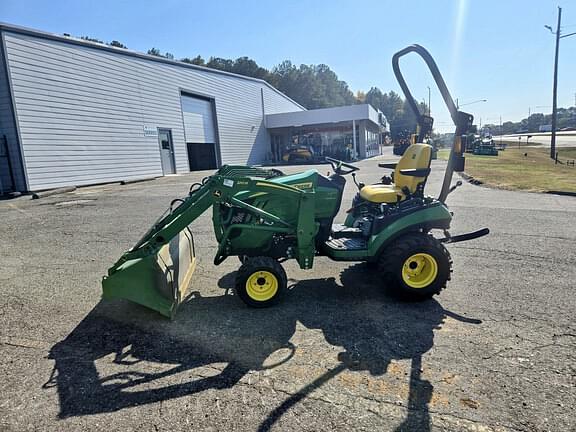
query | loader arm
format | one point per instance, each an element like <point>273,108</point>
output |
<point>170,225</point>
<point>218,189</point>
<point>157,270</point>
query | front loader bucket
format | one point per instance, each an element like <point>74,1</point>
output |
<point>159,280</point>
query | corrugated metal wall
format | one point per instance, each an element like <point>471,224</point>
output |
<point>8,129</point>
<point>82,111</point>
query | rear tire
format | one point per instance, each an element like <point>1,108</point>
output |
<point>261,282</point>
<point>416,266</point>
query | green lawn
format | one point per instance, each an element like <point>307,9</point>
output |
<point>526,168</point>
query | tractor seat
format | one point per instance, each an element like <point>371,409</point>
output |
<point>381,193</point>
<point>410,174</point>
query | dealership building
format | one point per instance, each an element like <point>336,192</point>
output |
<point>74,112</point>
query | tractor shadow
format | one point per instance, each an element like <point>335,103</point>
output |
<point>123,356</point>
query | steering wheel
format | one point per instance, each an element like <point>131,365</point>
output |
<point>338,164</point>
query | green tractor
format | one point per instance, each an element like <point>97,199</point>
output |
<point>265,218</point>
<point>485,147</point>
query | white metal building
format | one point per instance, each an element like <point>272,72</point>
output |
<point>74,112</point>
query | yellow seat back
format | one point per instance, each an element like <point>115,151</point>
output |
<point>417,156</point>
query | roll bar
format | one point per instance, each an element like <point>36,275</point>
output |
<point>462,121</point>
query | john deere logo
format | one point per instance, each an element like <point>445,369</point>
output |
<point>303,185</point>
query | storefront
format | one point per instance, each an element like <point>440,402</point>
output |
<point>346,133</point>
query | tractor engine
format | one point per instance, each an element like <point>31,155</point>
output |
<point>368,216</point>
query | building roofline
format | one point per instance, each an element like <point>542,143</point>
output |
<point>124,51</point>
<point>313,117</point>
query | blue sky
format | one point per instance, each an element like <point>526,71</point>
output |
<point>494,50</point>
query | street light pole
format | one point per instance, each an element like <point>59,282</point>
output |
<point>470,103</point>
<point>555,85</point>
<point>500,131</point>
<point>555,88</point>
<point>430,108</point>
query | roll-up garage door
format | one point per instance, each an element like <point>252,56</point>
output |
<point>200,132</point>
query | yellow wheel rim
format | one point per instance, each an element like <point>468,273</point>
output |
<point>419,270</point>
<point>261,286</point>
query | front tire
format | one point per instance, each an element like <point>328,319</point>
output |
<point>416,266</point>
<point>261,282</point>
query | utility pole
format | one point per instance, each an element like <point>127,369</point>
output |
<point>555,88</point>
<point>500,131</point>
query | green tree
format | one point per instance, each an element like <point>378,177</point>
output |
<point>313,86</point>
<point>248,67</point>
<point>398,114</point>
<point>509,127</point>
<point>91,39</point>
<point>375,98</point>
<point>220,64</point>
<point>198,60</point>
<point>360,96</point>
<point>155,52</point>
<point>336,91</point>
<point>117,44</point>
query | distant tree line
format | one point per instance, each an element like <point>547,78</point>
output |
<point>312,86</point>
<point>566,118</point>
<point>316,86</point>
<point>397,110</point>
<point>113,43</point>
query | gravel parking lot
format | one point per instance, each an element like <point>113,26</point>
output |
<point>494,352</point>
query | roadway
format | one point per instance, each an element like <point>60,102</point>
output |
<point>563,139</point>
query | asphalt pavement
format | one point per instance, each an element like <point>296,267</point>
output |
<point>495,351</point>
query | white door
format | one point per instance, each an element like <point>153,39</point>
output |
<point>198,120</point>
<point>166,151</point>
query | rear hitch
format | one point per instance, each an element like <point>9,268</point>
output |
<point>454,187</point>
<point>464,237</point>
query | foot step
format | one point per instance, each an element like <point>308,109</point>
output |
<point>341,231</point>
<point>345,243</point>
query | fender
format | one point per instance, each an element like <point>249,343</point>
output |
<point>433,217</point>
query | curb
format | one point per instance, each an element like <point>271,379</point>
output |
<point>563,193</point>
<point>10,195</point>
<point>37,195</point>
<point>471,179</point>
<point>477,182</point>
<point>127,182</point>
